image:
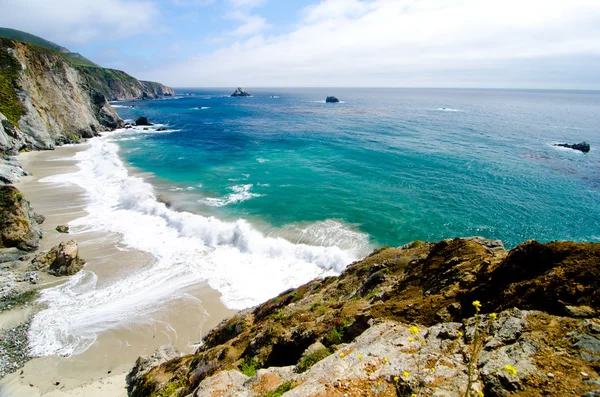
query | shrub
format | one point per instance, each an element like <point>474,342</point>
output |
<point>249,366</point>
<point>311,359</point>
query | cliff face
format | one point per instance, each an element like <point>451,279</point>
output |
<point>119,86</point>
<point>424,319</point>
<point>46,101</point>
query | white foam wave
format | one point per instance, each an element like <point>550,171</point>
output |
<point>448,110</point>
<point>240,193</point>
<point>261,160</point>
<point>237,260</point>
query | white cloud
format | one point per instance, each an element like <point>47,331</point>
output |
<point>401,43</point>
<point>79,21</point>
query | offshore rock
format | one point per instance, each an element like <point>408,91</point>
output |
<point>331,99</point>
<point>240,92</point>
<point>582,147</point>
<point>61,260</point>
<point>142,121</point>
<point>18,226</point>
<point>351,334</point>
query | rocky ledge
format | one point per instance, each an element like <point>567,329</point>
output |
<point>454,318</point>
<point>583,147</point>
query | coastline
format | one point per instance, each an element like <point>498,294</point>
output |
<point>101,369</point>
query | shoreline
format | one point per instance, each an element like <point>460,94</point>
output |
<point>101,369</point>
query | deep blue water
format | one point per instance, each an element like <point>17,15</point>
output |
<point>395,164</point>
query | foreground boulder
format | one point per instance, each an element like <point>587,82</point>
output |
<point>425,318</point>
<point>331,99</point>
<point>61,260</point>
<point>240,92</point>
<point>62,229</point>
<point>582,147</point>
<point>18,223</point>
<point>142,121</point>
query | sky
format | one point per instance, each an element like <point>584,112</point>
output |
<point>331,43</point>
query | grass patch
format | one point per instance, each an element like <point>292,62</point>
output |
<point>18,300</point>
<point>283,388</point>
<point>311,359</point>
<point>10,106</point>
<point>378,250</point>
<point>249,366</point>
<point>336,335</point>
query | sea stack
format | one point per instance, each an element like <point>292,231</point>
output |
<point>332,99</point>
<point>240,92</point>
<point>142,121</point>
<point>582,147</point>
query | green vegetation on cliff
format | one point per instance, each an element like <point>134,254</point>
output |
<point>10,106</point>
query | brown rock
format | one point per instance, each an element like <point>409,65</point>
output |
<point>18,227</point>
<point>61,260</point>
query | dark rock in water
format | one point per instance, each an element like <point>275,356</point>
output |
<point>332,99</point>
<point>146,128</point>
<point>128,127</point>
<point>142,121</point>
<point>161,129</point>
<point>61,260</point>
<point>62,229</point>
<point>582,147</point>
<point>241,92</point>
<point>167,94</point>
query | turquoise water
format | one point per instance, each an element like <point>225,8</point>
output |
<point>395,164</point>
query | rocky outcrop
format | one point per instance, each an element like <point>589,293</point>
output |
<point>156,90</point>
<point>142,121</point>
<point>425,318</point>
<point>18,225</point>
<point>240,92</point>
<point>61,260</point>
<point>135,378</point>
<point>582,147</point>
<point>62,229</point>
<point>331,99</point>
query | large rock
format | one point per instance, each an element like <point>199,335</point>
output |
<point>142,121</point>
<point>18,227</point>
<point>331,99</point>
<point>136,386</point>
<point>61,260</point>
<point>240,92</point>
<point>582,147</point>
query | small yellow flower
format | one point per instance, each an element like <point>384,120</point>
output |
<point>411,339</point>
<point>477,305</point>
<point>385,360</point>
<point>405,375</point>
<point>479,393</point>
<point>460,334</point>
<point>413,395</point>
<point>493,316</point>
<point>414,330</point>
<point>360,356</point>
<point>342,354</point>
<point>396,378</point>
<point>511,370</point>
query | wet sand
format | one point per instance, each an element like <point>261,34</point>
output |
<point>182,323</point>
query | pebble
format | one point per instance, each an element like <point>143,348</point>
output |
<point>550,375</point>
<point>584,374</point>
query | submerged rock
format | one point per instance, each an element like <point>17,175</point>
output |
<point>582,147</point>
<point>240,92</point>
<point>331,99</point>
<point>61,260</point>
<point>142,121</point>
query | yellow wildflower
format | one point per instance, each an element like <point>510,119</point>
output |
<point>414,330</point>
<point>413,395</point>
<point>405,375</point>
<point>460,334</point>
<point>477,305</point>
<point>342,354</point>
<point>511,370</point>
<point>360,356</point>
<point>386,360</point>
<point>396,378</point>
<point>493,316</point>
<point>411,339</point>
<point>479,393</point>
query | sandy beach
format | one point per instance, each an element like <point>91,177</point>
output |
<point>101,369</point>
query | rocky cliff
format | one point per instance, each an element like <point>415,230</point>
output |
<point>45,101</point>
<point>460,317</point>
<point>116,85</point>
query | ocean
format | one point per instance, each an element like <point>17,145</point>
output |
<point>257,195</point>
